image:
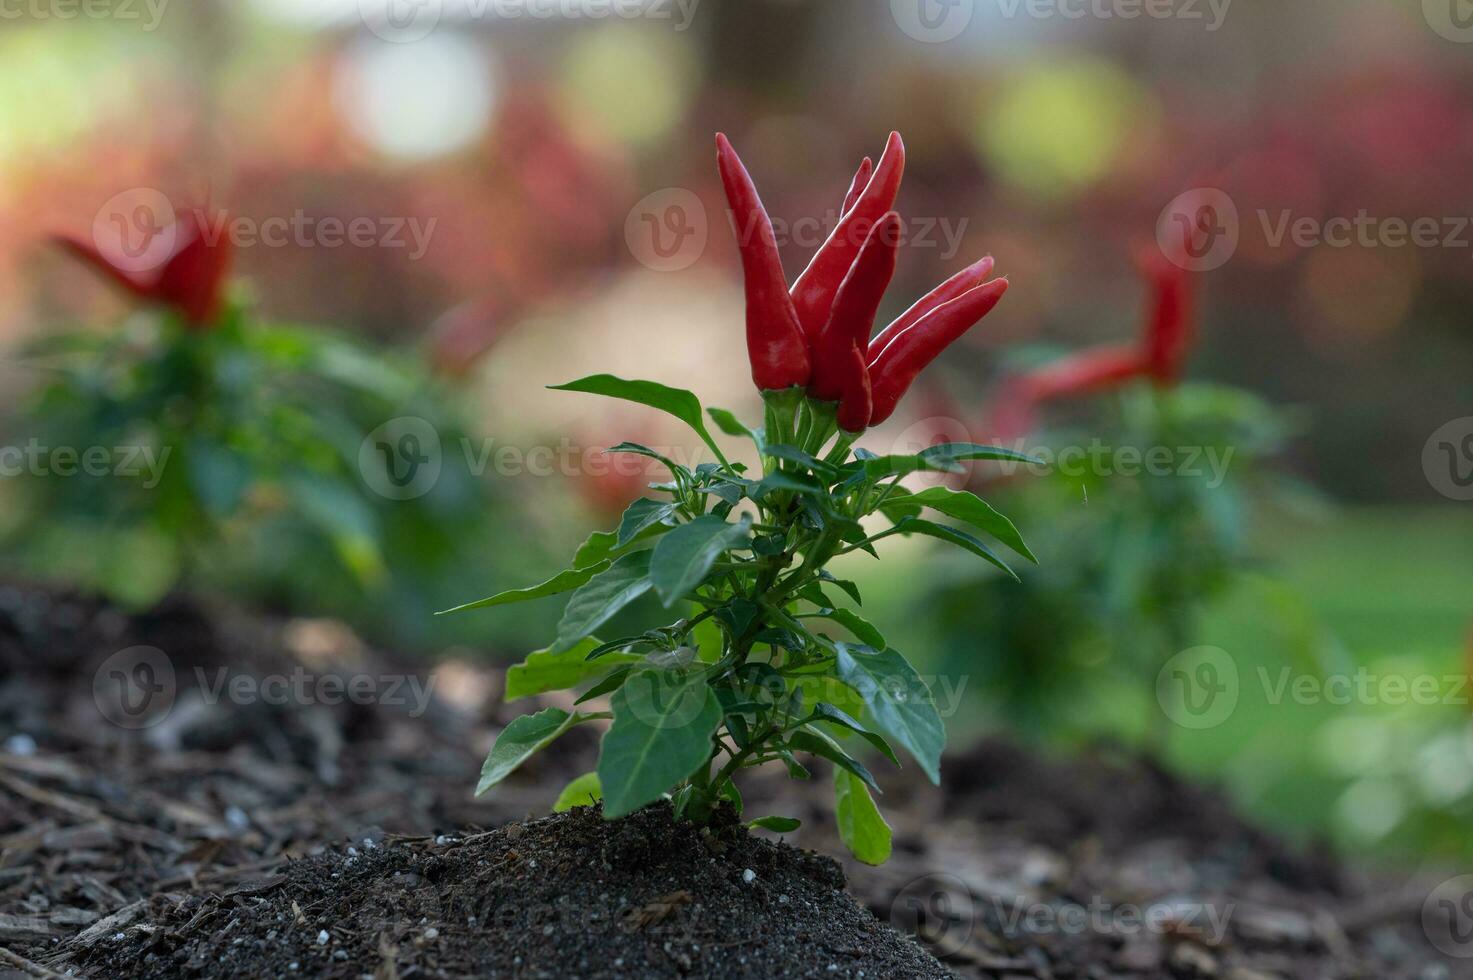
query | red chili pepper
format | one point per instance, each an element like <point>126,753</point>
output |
<point>853,314</point>
<point>857,186</point>
<point>813,294</point>
<point>190,281</point>
<point>775,341</point>
<point>856,405</point>
<point>969,278</point>
<point>1089,371</point>
<point>1168,333</point>
<point>894,369</point>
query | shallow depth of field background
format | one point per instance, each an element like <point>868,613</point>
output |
<point>539,157</point>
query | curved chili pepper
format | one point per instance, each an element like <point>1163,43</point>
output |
<point>969,278</point>
<point>1083,373</point>
<point>775,342</point>
<point>894,369</point>
<point>190,281</point>
<point>813,294</point>
<point>853,313</point>
<point>1168,331</point>
<point>856,405</point>
<point>857,186</point>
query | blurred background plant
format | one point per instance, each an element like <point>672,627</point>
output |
<point>539,157</point>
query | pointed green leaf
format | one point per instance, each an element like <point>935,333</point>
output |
<point>951,535</point>
<point>565,581</point>
<point>733,426</point>
<point>898,703</point>
<point>605,594</point>
<point>861,827</point>
<point>583,791</point>
<point>678,402</point>
<point>862,629</point>
<point>546,670</point>
<point>609,683</point>
<point>823,711</point>
<point>883,466</point>
<point>778,825</point>
<point>821,744</point>
<point>971,450</point>
<point>683,557</point>
<point>967,507</point>
<point>663,724</point>
<point>519,740</point>
<point>642,515</point>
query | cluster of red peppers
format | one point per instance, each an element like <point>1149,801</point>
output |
<point>190,280</point>
<point>1159,355</point>
<point>816,334</point>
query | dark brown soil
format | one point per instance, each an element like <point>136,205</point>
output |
<point>566,896</point>
<point>192,839</point>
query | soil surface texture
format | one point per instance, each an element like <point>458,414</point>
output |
<point>228,837</point>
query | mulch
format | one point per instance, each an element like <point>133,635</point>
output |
<point>226,839</point>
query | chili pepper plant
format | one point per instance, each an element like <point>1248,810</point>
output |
<point>762,663</point>
<point>1133,558</point>
<point>234,446</point>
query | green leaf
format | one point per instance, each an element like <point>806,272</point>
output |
<point>792,482</point>
<point>684,556</point>
<point>843,583</point>
<point>823,711</point>
<point>883,466</point>
<point>792,454</point>
<point>663,723</point>
<point>599,547</point>
<point>898,702</point>
<point>546,670</point>
<point>861,827</point>
<point>680,403</point>
<point>862,629</point>
<point>778,825</point>
<point>604,595</point>
<point>609,683</point>
<point>639,517</point>
<point>733,426</point>
<point>914,525</point>
<point>519,740</point>
<point>564,581</point>
<point>971,450</point>
<point>583,791</point>
<point>635,449</point>
<point>821,744</point>
<point>968,507</point>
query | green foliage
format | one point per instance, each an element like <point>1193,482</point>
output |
<point>741,678</point>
